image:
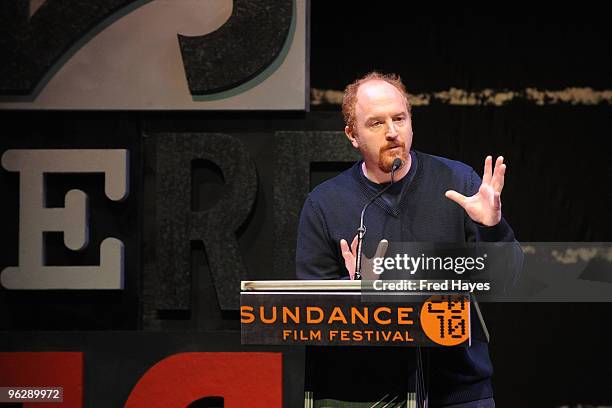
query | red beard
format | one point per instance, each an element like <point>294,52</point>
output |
<point>386,155</point>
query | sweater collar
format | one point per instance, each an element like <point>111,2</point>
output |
<point>370,188</point>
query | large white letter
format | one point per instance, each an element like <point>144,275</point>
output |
<point>35,218</point>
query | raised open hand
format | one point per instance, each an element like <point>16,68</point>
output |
<point>484,207</point>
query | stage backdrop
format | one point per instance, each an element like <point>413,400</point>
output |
<point>154,54</point>
<point>202,199</point>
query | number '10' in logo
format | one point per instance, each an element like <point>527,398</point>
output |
<point>446,318</point>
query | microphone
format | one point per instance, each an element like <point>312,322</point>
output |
<point>397,163</point>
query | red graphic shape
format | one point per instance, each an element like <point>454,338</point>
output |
<point>242,379</point>
<point>45,369</point>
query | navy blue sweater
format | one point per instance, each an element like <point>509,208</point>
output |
<point>421,214</point>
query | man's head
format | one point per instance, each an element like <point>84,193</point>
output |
<point>378,122</point>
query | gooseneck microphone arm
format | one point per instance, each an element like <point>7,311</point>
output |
<point>397,163</point>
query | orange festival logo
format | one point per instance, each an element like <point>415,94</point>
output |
<point>445,319</point>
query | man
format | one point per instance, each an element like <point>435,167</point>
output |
<point>432,200</point>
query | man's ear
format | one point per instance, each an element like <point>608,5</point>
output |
<point>350,134</point>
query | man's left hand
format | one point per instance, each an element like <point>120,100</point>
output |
<point>484,207</point>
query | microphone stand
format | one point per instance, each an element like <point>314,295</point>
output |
<point>397,163</point>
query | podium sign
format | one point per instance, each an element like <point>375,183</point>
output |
<point>329,314</point>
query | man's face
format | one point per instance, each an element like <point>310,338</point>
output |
<point>383,128</point>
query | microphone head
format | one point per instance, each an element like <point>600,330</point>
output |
<point>397,163</point>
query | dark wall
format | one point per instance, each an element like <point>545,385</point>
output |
<point>436,47</point>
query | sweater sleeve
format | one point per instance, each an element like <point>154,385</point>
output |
<point>316,254</point>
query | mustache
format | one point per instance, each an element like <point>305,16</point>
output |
<point>392,145</point>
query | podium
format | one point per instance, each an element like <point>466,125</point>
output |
<point>332,316</point>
